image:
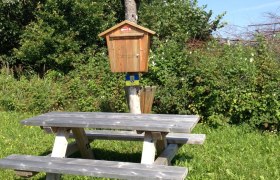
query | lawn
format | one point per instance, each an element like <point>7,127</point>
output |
<point>230,152</point>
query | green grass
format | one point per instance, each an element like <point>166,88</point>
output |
<point>231,152</point>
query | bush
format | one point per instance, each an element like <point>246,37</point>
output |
<point>222,84</point>
<point>90,87</point>
<point>60,34</point>
<point>233,84</point>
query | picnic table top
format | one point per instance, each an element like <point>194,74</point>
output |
<point>124,121</point>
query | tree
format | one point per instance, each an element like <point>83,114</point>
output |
<point>66,29</point>
<point>14,16</point>
<point>131,10</point>
<point>63,30</point>
<point>132,92</point>
<point>178,20</point>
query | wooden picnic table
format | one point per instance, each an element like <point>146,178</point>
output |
<point>155,130</point>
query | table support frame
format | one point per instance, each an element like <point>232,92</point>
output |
<point>59,149</point>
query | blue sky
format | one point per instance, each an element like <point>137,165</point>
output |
<point>242,12</point>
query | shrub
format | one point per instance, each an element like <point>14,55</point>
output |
<point>91,87</point>
<point>234,84</point>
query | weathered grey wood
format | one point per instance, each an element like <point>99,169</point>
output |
<point>161,144</point>
<point>149,149</point>
<point>156,135</point>
<point>71,149</point>
<point>59,149</point>
<point>109,169</point>
<point>109,115</point>
<point>50,130</point>
<point>144,122</point>
<point>167,155</point>
<point>83,143</point>
<point>171,138</point>
<point>182,138</point>
<point>60,143</point>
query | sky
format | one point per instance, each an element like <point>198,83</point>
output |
<point>241,13</point>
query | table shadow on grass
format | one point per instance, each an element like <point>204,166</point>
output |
<point>182,158</point>
<point>112,155</point>
<point>46,153</point>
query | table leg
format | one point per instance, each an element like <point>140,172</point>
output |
<point>161,144</point>
<point>149,149</point>
<point>59,149</point>
<point>167,155</point>
<point>83,143</point>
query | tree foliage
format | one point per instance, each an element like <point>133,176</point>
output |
<point>63,30</point>
<point>178,20</point>
<point>14,16</point>
<point>53,35</point>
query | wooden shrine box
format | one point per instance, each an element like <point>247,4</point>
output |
<point>128,46</point>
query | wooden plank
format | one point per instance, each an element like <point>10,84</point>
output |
<point>123,23</point>
<point>130,35</point>
<point>167,155</point>
<point>50,130</point>
<point>60,143</point>
<point>147,98</point>
<point>97,120</point>
<point>125,53</point>
<point>148,42</point>
<point>180,127</point>
<point>108,169</point>
<point>133,55</point>
<point>71,149</point>
<point>144,50</point>
<point>112,53</point>
<point>142,100</point>
<point>110,115</point>
<point>120,58</point>
<point>83,143</point>
<point>144,122</point>
<point>149,149</point>
<point>114,135</point>
<point>171,138</point>
<point>59,149</point>
<point>157,135</point>
<point>161,144</point>
<point>182,138</point>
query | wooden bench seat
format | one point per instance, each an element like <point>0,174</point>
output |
<point>172,138</point>
<point>97,168</point>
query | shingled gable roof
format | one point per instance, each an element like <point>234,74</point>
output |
<point>123,23</point>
